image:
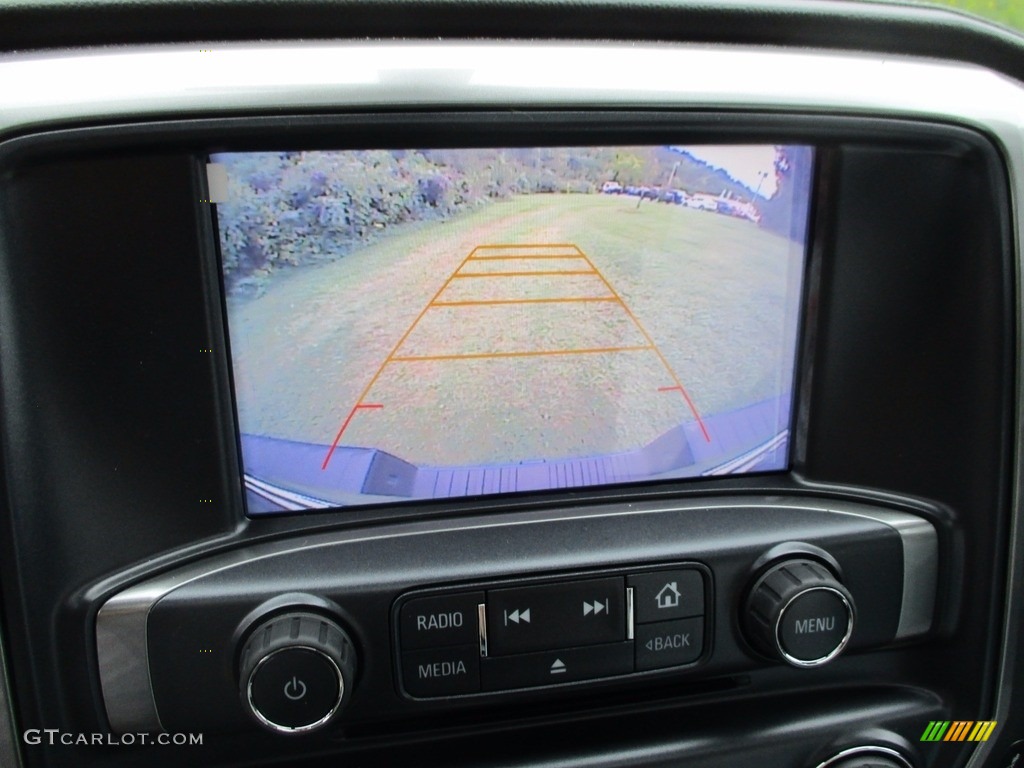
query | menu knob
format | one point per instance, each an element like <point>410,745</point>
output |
<point>799,612</point>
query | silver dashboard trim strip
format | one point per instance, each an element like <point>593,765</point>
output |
<point>9,741</point>
<point>920,566</point>
<point>481,623</point>
<point>123,657</point>
<point>55,88</point>
<point>122,649</point>
<point>630,616</point>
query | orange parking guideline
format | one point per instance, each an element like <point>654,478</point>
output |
<point>380,370</point>
<point>457,273</point>
<point>654,347</point>
<point>533,256</point>
<point>527,274</point>
<point>525,353</point>
<point>494,246</point>
<point>493,302</point>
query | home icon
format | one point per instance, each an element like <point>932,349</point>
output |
<point>668,597</point>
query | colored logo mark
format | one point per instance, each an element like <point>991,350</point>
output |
<point>958,730</point>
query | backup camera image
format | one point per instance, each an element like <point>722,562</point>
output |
<point>430,324</point>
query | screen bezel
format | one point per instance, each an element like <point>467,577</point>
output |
<point>536,129</point>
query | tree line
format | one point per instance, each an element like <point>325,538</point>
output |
<point>287,209</point>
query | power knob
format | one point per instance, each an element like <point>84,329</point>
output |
<point>799,612</point>
<point>296,672</point>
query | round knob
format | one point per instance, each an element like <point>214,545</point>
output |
<point>296,670</point>
<point>867,757</point>
<point>798,612</point>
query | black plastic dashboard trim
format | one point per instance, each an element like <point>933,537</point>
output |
<point>126,682</point>
<point>483,127</point>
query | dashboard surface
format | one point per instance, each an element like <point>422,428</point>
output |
<point>131,577</point>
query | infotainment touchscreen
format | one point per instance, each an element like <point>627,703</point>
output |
<point>418,324</point>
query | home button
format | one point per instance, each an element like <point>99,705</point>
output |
<point>666,595</point>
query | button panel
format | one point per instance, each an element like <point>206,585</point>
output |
<point>547,632</point>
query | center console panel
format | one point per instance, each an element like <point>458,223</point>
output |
<point>474,614</point>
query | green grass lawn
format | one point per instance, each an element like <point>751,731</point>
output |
<point>717,296</point>
<point>1007,12</point>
